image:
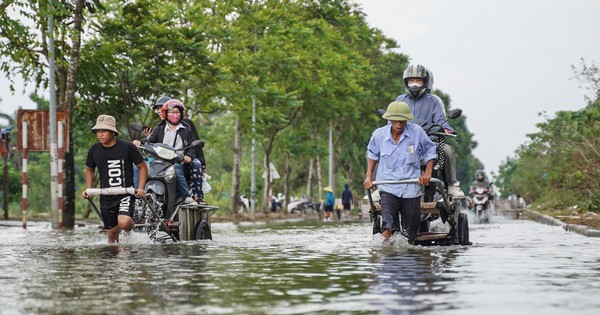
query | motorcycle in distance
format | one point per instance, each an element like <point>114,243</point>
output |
<point>161,209</point>
<point>435,203</point>
<point>481,204</point>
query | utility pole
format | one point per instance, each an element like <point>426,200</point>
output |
<point>331,156</point>
<point>56,221</point>
<point>253,173</point>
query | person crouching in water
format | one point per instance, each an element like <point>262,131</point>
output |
<point>114,159</point>
<point>397,151</point>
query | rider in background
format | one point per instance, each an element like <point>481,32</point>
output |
<point>481,181</point>
<point>429,108</point>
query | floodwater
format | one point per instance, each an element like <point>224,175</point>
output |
<point>513,267</point>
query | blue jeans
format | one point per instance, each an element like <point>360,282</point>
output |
<point>136,173</point>
<point>182,187</point>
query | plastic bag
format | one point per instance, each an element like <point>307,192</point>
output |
<point>205,185</point>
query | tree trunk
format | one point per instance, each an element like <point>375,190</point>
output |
<point>267,193</point>
<point>319,184</point>
<point>309,188</point>
<point>237,161</point>
<point>5,186</point>
<point>69,102</point>
<point>287,185</point>
<point>267,196</point>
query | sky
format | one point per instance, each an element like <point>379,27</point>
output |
<point>501,61</point>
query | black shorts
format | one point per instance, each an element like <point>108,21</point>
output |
<point>110,216</point>
<point>346,206</point>
<point>395,209</point>
<point>328,208</point>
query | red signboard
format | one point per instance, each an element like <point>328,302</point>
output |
<point>38,129</point>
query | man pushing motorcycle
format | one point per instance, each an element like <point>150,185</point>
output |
<point>114,159</point>
<point>397,150</point>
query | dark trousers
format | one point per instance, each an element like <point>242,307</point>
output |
<point>409,209</point>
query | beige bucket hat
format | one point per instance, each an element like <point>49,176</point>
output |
<point>105,122</point>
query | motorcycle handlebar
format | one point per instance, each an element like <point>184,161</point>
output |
<point>445,134</point>
<point>439,183</point>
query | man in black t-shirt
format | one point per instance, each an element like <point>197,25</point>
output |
<point>114,159</point>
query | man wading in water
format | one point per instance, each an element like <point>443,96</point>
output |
<point>397,150</point>
<point>113,158</point>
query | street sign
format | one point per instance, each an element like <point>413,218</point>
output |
<point>38,128</point>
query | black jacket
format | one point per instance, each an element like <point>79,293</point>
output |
<point>186,134</point>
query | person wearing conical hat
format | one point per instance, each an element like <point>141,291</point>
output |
<point>329,203</point>
<point>395,152</point>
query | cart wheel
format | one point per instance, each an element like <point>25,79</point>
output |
<point>202,231</point>
<point>463,229</point>
<point>424,227</point>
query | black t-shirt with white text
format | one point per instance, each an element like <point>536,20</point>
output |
<point>115,167</point>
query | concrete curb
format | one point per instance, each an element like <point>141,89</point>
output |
<point>545,219</point>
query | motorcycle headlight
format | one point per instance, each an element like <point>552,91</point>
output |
<point>170,173</point>
<point>165,153</point>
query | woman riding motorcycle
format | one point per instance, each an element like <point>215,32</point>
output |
<point>175,132</point>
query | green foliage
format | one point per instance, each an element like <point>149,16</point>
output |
<point>14,183</point>
<point>466,163</point>
<point>38,178</point>
<point>559,166</point>
<point>308,64</point>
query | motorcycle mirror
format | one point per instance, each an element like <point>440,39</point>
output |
<point>380,112</point>
<point>198,144</point>
<point>455,113</point>
<point>136,127</point>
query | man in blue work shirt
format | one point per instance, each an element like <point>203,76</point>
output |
<point>429,107</point>
<point>397,150</point>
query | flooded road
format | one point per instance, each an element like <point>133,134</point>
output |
<point>513,267</point>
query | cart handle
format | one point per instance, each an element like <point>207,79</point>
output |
<point>110,191</point>
<point>130,191</point>
<point>439,183</point>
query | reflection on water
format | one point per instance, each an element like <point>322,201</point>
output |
<point>414,278</point>
<point>515,267</point>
